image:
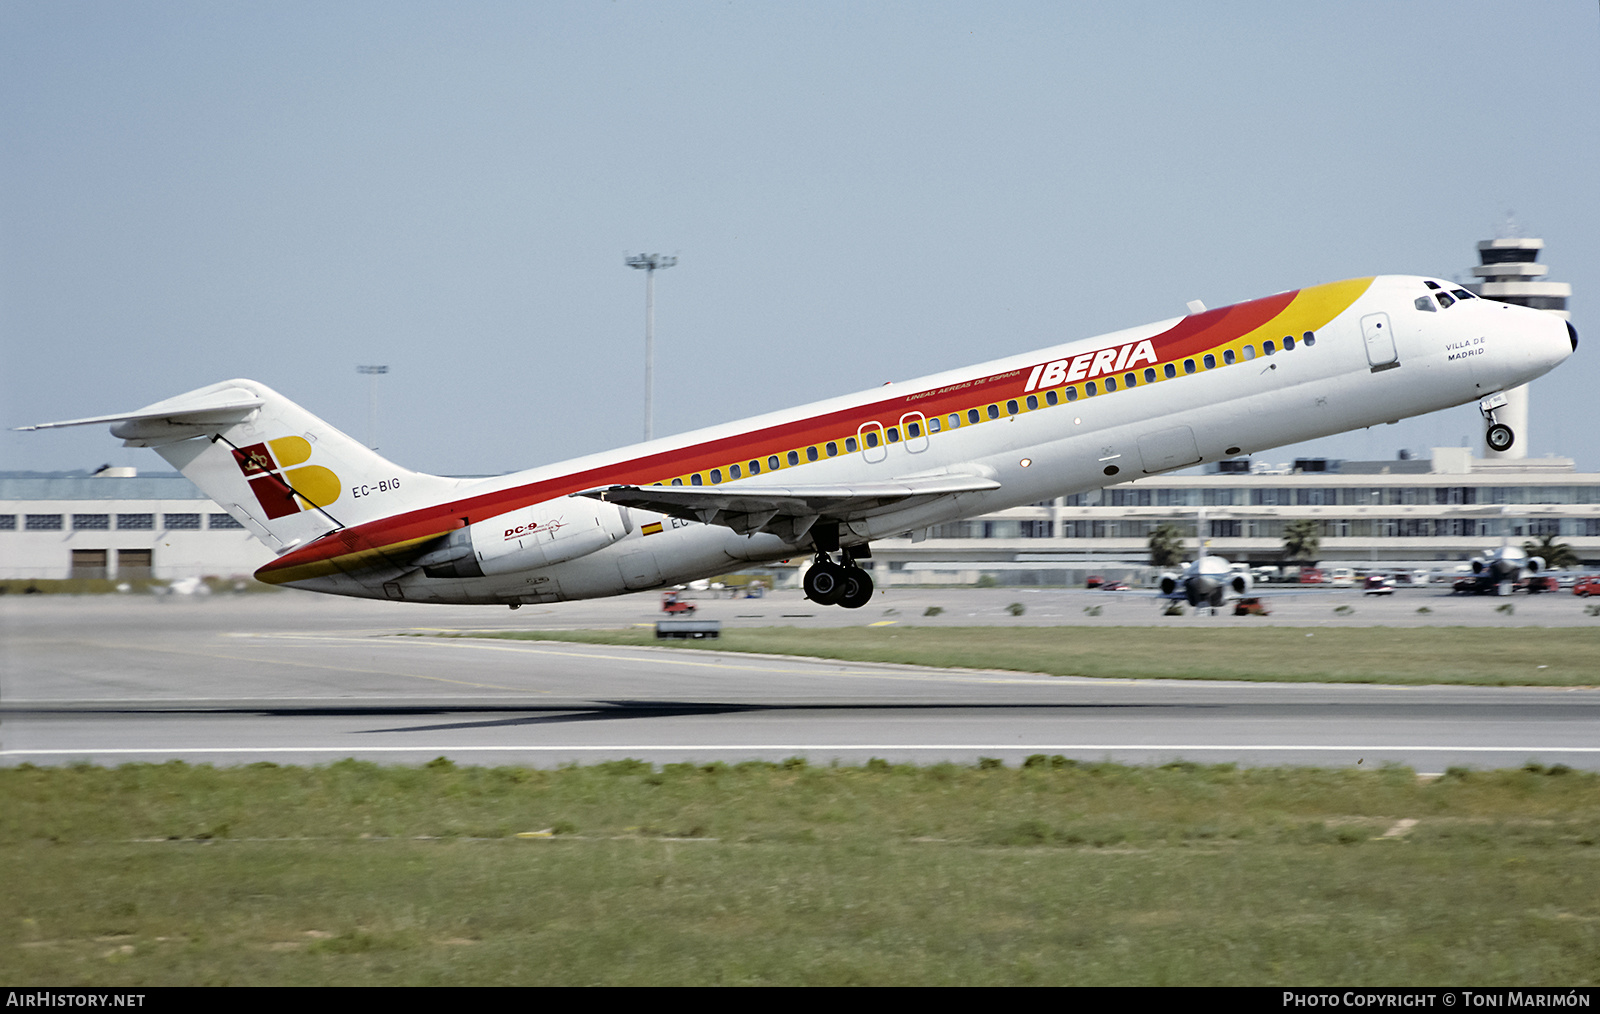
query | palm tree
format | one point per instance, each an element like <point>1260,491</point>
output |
<point>1302,539</point>
<point>1166,545</point>
<point>1556,555</point>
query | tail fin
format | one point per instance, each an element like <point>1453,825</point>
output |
<point>280,471</point>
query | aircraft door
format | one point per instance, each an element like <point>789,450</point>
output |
<point>873,440</point>
<point>1379,338</point>
<point>914,432</point>
<point>1165,450</point>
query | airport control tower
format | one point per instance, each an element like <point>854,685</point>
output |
<point>1510,272</point>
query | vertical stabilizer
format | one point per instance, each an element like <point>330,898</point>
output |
<point>285,474</point>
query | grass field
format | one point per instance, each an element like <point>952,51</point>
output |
<point>354,874</point>
<point>1548,656</point>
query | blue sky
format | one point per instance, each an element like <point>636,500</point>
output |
<point>858,192</point>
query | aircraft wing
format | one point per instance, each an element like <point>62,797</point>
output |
<point>788,511</point>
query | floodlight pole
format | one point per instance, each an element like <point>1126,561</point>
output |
<point>372,401</point>
<point>649,263</point>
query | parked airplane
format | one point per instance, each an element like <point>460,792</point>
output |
<point>1499,572</point>
<point>830,478</point>
<point>1206,581</point>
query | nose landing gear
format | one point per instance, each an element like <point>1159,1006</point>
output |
<point>1499,436</point>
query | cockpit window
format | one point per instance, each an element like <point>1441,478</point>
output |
<point>1445,302</point>
<point>1424,303</point>
<point>1462,294</point>
<point>1431,285</point>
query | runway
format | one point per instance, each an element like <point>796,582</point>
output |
<point>298,679</point>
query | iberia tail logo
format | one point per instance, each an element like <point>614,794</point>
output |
<point>280,488</point>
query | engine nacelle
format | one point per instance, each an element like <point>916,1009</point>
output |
<point>528,538</point>
<point>1169,583</point>
<point>1241,583</point>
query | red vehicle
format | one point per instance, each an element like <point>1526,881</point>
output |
<point>670,603</point>
<point>1251,607</point>
<point>1311,575</point>
<point>1586,586</point>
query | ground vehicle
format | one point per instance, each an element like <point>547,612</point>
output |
<point>1343,577</point>
<point>1378,584</point>
<point>1250,607</point>
<point>671,603</point>
<point>1311,575</point>
<point>1586,586</point>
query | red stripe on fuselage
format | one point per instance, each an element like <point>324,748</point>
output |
<point>1190,336</point>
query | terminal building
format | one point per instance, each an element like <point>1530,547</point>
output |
<point>1435,514</point>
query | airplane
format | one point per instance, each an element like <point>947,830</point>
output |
<point>1206,581</point>
<point>828,479</point>
<point>1500,571</point>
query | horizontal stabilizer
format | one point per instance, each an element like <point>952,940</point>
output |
<point>185,416</point>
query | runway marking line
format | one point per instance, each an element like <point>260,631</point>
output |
<point>809,747</point>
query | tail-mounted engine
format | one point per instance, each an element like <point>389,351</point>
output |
<point>526,539</point>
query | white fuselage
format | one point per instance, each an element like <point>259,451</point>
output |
<point>1349,376</point>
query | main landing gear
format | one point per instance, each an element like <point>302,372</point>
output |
<point>834,584</point>
<point>1499,436</point>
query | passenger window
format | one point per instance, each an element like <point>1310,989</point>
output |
<point>1188,366</point>
<point>794,458</point>
<point>1211,361</point>
<point>1288,343</point>
<point>914,430</point>
<point>1149,375</point>
<point>1072,394</point>
<point>994,411</point>
<point>1227,357</point>
<point>677,482</point>
<point>955,421</point>
<point>1033,403</point>
<point>1311,339</point>
<point>695,480</point>
<point>1050,397</point>
<point>772,463</point>
<point>1249,352</point>
<point>972,415</point>
<point>1170,370</point>
<point>832,449</point>
<point>850,444</point>
<point>755,467</point>
<point>933,425</point>
<point>1421,303</point>
<point>872,438</point>
<point>1130,380</point>
<point>894,434</point>
<point>1111,384</point>
<point>1268,347</point>
<point>1011,408</point>
<point>716,476</point>
<point>733,472</point>
<point>811,454</point>
<point>1090,390</point>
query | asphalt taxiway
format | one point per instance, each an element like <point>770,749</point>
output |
<point>297,678</point>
